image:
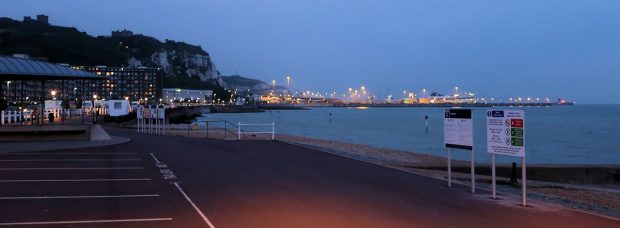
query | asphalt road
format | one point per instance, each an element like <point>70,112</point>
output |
<point>245,184</point>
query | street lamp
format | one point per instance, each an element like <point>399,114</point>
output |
<point>288,81</point>
<point>53,92</point>
<point>94,107</point>
<point>273,83</point>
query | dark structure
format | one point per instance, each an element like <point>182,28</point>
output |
<point>41,18</point>
<point>124,33</point>
<point>26,83</point>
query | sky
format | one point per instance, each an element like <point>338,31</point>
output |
<point>501,49</point>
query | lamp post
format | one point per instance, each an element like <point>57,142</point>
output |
<point>94,108</point>
<point>273,83</point>
<point>53,92</point>
<point>288,81</point>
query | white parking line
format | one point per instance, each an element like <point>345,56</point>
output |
<point>75,180</point>
<point>68,159</point>
<point>64,153</point>
<point>94,168</point>
<point>157,161</point>
<point>85,221</point>
<point>76,197</point>
<point>194,205</point>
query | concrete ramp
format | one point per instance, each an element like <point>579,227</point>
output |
<point>98,134</point>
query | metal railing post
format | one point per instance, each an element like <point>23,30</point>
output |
<point>239,131</point>
<point>225,130</point>
<point>273,130</point>
<point>207,123</point>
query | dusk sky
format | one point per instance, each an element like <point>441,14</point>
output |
<point>496,48</point>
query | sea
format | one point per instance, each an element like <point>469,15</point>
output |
<point>570,134</point>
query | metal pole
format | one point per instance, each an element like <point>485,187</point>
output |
<point>426,123</point>
<point>273,130</point>
<point>207,128</point>
<point>473,172</point>
<point>239,131</point>
<point>493,175</point>
<point>449,168</point>
<point>42,100</point>
<point>62,99</point>
<point>21,105</point>
<point>225,130</point>
<point>523,183</point>
<point>82,100</point>
<point>1,98</point>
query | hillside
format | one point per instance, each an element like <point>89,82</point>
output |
<point>239,82</point>
<point>186,66</point>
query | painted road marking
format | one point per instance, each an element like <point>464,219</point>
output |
<point>194,205</point>
<point>156,161</point>
<point>86,221</point>
<point>64,153</point>
<point>68,159</point>
<point>75,180</point>
<point>76,197</point>
<point>94,168</point>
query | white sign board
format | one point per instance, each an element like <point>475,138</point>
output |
<point>506,132</point>
<point>161,113</point>
<point>139,113</point>
<point>458,129</point>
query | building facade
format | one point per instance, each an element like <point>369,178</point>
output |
<point>134,84</point>
<point>140,84</point>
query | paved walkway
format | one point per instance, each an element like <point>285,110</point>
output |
<point>245,184</point>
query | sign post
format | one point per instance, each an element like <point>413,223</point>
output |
<point>140,117</point>
<point>458,134</point>
<point>506,136</point>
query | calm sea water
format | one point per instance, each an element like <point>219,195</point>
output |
<point>580,134</point>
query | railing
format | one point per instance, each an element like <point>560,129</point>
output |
<point>17,117</point>
<point>14,117</point>
<point>228,127</point>
<point>241,131</point>
<point>218,129</point>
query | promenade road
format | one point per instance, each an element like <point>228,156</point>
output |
<point>248,184</point>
